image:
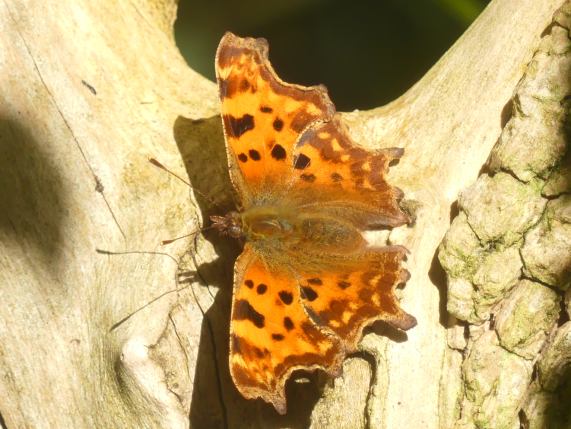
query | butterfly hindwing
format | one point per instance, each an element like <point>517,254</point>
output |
<point>347,299</point>
<point>271,334</point>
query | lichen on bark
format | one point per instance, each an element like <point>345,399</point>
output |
<point>507,255</point>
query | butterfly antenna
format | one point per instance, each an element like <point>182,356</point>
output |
<point>172,240</point>
<point>162,167</point>
<point>141,252</point>
<point>127,317</point>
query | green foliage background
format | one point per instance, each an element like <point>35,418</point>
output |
<point>366,52</point>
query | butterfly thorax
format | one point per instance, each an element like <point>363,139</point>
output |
<point>260,223</point>
<point>267,223</point>
<point>274,227</point>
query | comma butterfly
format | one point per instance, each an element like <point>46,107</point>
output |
<point>306,283</point>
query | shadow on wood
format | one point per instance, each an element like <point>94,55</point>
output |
<point>215,401</point>
<point>32,194</point>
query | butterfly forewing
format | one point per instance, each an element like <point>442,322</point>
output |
<point>262,115</point>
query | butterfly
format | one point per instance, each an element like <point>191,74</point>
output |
<point>306,283</point>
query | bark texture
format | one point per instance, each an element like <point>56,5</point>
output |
<point>90,90</point>
<point>507,278</point>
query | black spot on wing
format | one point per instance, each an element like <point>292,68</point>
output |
<point>254,154</point>
<point>343,284</point>
<point>243,157</point>
<point>286,297</point>
<point>278,152</point>
<point>266,109</point>
<point>249,284</point>
<point>278,124</point>
<point>302,161</point>
<point>261,289</point>
<point>308,177</point>
<point>315,281</point>
<point>277,337</point>
<point>238,126</point>
<point>308,293</point>
<point>288,323</point>
<point>244,311</point>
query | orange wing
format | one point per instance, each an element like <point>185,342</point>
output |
<point>282,136</point>
<point>303,307</point>
<point>345,180</point>
<point>348,299</point>
<point>284,321</point>
<point>271,334</point>
<point>262,115</point>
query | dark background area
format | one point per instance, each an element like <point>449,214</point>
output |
<point>366,52</point>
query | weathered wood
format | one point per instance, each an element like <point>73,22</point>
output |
<point>90,90</point>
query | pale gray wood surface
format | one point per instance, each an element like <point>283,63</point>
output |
<point>90,90</point>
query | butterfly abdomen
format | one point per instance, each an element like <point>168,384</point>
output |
<point>326,234</point>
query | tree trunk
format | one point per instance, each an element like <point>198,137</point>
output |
<point>90,90</point>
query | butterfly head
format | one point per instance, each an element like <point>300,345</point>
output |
<point>230,224</point>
